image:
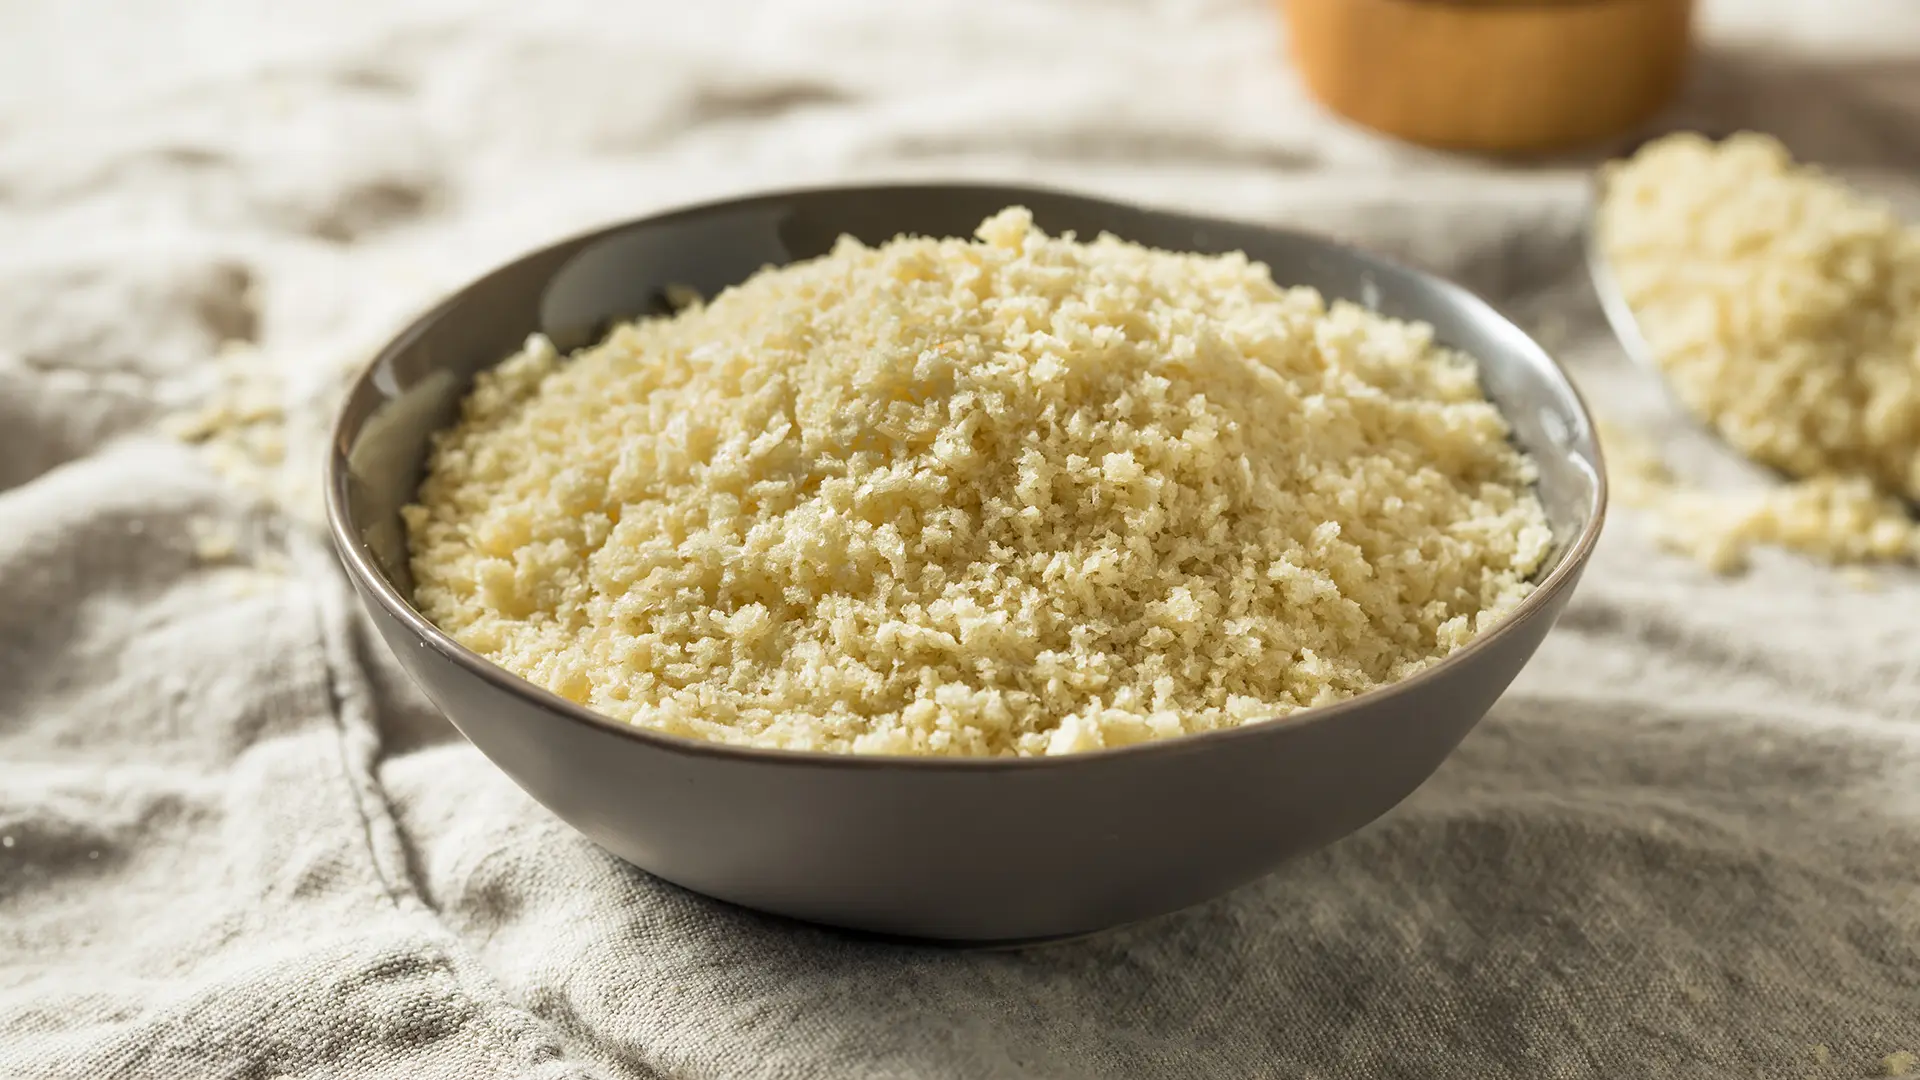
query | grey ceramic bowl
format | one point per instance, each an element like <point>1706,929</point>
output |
<point>957,850</point>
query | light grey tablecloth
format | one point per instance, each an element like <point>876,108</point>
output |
<point>233,843</point>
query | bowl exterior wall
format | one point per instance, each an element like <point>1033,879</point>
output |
<point>979,853</point>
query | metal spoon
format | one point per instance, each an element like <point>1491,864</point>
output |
<point>1606,286</point>
<point>1613,300</point>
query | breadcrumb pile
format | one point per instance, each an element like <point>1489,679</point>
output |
<point>1784,309</point>
<point>1013,495</point>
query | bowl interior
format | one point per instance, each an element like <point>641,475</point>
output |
<point>575,290</point>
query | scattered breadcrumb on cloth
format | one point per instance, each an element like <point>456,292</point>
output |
<point>240,425</point>
<point>1838,520</point>
<point>1899,1063</point>
<point>213,543</point>
<point>1012,495</point>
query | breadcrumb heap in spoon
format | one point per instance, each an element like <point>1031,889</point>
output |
<point>1783,308</point>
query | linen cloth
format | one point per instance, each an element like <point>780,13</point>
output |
<point>235,843</point>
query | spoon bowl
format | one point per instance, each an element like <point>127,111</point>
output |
<point>1898,189</point>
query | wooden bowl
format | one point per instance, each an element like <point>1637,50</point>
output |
<point>1499,76</point>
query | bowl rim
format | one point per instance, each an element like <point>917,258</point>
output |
<point>364,571</point>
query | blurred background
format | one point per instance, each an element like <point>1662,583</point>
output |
<point>299,178</point>
<point>367,124</point>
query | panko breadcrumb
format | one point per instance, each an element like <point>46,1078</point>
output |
<point>1013,495</point>
<point>1784,310</point>
<point>1836,519</point>
<point>1783,306</point>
